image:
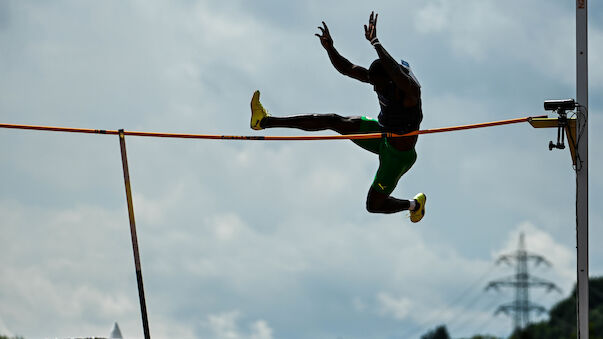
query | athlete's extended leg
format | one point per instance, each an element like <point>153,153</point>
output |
<point>315,122</point>
<point>260,119</point>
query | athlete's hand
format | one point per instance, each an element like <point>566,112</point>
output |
<point>325,38</point>
<point>370,31</point>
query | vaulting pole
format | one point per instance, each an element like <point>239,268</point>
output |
<point>143,305</point>
<point>582,166</point>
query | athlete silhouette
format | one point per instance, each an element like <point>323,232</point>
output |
<point>399,94</point>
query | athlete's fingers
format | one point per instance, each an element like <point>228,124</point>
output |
<point>376,16</point>
<point>326,28</point>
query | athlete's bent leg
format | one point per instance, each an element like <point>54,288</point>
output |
<point>393,164</point>
<point>378,202</point>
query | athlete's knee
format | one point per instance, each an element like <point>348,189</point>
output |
<point>332,117</point>
<point>371,206</point>
<point>375,202</point>
<point>328,120</point>
<point>344,124</point>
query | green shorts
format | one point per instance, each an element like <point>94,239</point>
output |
<point>393,163</point>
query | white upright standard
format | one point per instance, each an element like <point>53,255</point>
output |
<point>582,166</point>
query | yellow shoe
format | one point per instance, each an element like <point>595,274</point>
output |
<point>417,215</point>
<point>258,113</point>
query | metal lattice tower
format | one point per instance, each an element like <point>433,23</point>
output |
<point>522,281</point>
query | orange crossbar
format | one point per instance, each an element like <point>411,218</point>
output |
<point>252,137</point>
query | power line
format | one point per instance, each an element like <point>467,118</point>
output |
<point>423,326</point>
<point>469,319</point>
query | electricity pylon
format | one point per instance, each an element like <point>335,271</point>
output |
<point>521,281</point>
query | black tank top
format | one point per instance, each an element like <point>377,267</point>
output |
<point>394,117</point>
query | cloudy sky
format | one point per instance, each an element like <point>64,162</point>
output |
<point>270,240</point>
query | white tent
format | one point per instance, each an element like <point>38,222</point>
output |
<point>115,333</point>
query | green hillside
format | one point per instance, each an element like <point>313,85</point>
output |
<point>562,317</point>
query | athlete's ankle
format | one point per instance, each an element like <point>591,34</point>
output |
<point>413,205</point>
<point>265,122</point>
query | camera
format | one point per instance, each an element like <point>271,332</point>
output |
<point>560,105</point>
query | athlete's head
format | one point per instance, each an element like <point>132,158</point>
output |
<point>378,77</point>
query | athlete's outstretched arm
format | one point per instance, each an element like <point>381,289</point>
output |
<point>343,65</point>
<point>393,69</point>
